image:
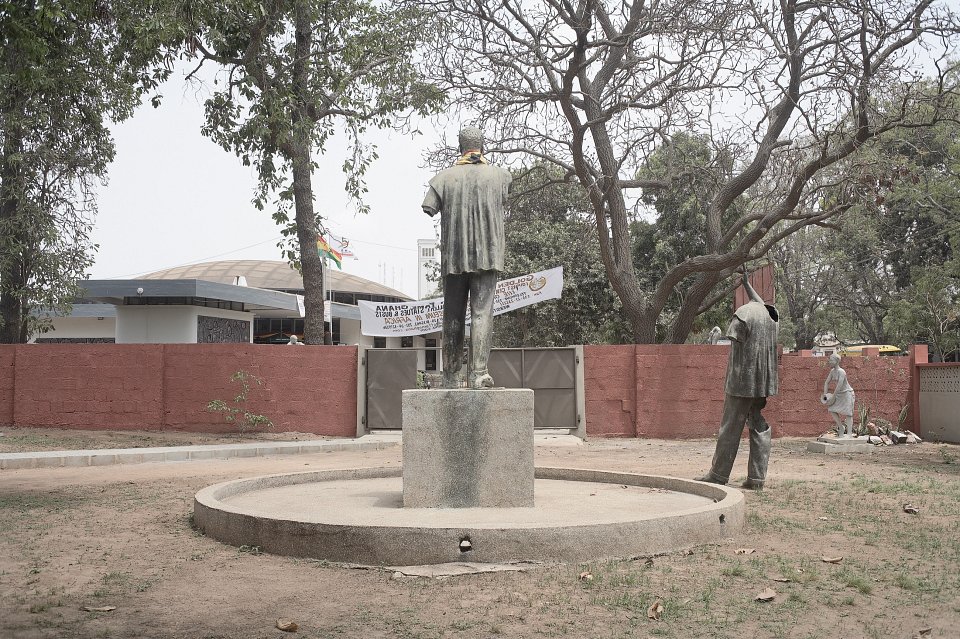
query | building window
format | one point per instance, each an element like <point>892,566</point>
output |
<point>426,252</point>
<point>276,330</point>
<point>379,342</point>
<point>407,341</point>
<point>430,356</point>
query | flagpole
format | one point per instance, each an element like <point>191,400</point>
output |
<point>323,297</point>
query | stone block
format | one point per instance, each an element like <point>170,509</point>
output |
<point>49,461</point>
<point>836,445</point>
<point>80,458</point>
<point>17,461</point>
<point>468,448</point>
<point>129,457</point>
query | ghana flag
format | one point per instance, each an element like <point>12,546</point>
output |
<point>325,250</point>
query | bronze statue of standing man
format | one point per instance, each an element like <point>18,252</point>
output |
<point>471,197</point>
<point>751,378</point>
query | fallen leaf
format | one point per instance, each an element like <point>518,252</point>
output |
<point>687,552</point>
<point>655,610</point>
<point>910,509</point>
<point>923,632</point>
<point>286,625</point>
<point>831,560</point>
<point>99,608</point>
<point>745,551</point>
<point>648,562</point>
<point>767,594</point>
<point>823,518</point>
<point>783,580</point>
<point>585,576</point>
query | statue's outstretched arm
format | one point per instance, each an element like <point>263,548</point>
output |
<point>746,285</point>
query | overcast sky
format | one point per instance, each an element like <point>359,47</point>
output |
<point>174,197</point>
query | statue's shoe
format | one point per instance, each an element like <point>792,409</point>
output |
<point>480,382</point>
<point>752,484</point>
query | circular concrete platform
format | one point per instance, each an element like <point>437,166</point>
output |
<point>357,516</point>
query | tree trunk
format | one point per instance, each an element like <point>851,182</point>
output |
<point>683,323</point>
<point>12,281</point>
<point>310,261</point>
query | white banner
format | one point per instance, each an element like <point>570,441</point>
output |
<point>382,319</point>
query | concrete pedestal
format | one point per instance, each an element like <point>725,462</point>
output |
<point>468,448</point>
<point>833,445</point>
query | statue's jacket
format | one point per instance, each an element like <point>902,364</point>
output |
<point>472,199</point>
<point>752,367</point>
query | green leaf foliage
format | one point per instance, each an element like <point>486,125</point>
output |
<point>296,73</point>
<point>67,69</point>
<point>547,226</point>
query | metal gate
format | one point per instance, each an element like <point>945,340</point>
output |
<point>554,374</point>
<point>389,372</point>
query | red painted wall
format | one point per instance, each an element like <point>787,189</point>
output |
<point>167,386</point>
<point>678,391</point>
<point>663,391</point>
<point>610,380</point>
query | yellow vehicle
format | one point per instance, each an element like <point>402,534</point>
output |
<point>857,351</point>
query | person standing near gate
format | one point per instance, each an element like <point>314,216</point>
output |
<point>471,197</point>
<point>751,378</point>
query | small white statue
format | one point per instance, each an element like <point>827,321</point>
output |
<point>840,401</point>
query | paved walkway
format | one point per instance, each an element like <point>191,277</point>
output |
<point>109,456</point>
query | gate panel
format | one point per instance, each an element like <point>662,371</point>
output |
<point>554,408</point>
<point>550,373</point>
<point>506,367</point>
<point>389,372</point>
<point>555,368</point>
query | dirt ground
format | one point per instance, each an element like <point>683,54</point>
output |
<point>120,536</point>
<point>18,440</point>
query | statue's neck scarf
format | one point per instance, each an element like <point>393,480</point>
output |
<point>471,157</point>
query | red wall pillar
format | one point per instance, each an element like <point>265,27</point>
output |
<point>919,354</point>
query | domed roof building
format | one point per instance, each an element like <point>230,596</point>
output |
<point>277,275</point>
<point>276,326</point>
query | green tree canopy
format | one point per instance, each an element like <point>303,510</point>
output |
<point>67,68</point>
<point>788,90</point>
<point>547,226</point>
<point>296,72</point>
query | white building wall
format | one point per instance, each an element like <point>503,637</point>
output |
<point>167,324</point>
<point>427,253</point>
<point>350,333</point>
<point>80,327</point>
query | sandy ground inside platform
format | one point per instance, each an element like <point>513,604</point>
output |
<point>121,536</point>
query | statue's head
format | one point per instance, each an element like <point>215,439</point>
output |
<point>471,138</point>
<point>834,359</point>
